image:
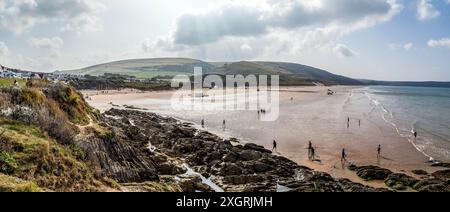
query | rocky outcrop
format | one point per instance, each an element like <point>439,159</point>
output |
<point>432,185</point>
<point>419,172</point>
<point>118,159</point>
<point>369,173</point>
<point>247,167</point>
<point>400,181</point>
<point>442,174</point>
<point>436,182</point>
<point>441,164</point>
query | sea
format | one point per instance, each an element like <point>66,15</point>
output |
<point>424,110</point>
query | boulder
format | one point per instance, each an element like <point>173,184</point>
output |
<point>243,179</point>
<point>442,174</point>
<point>230,169</point>
<point>432,185</point>
<point>170,169</point>
<point>259,167</point>
<point>440,164</point>
<point>369,173</point>
<point>248,155</point>
<point>419,172</point>
<point>250,146</point>
<point>231,157</point>
<point>399,181</point>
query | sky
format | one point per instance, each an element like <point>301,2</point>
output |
<point>370,39</point>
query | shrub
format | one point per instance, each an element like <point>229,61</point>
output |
<point>12,184</point>
<point>56,125</point>
<point>7,163</point>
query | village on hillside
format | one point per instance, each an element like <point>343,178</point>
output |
<point>6,72</point>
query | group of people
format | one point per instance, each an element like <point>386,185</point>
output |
<point>262,111</point>
<point>311,149</point>
<point>312,152</point>
<point>224,123</point>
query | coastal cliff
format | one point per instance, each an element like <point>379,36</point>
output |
<point>52,140</point>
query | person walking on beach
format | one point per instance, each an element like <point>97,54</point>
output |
<point>344,156</point>
<point>203,123</point>
<point>224,125</point>
<point>379,151</point>
<point>348,122</point>
<point>274,146</point>
<point>309,150</point>
<point>359,122</point>
<point>313,154</point>
<point>415,134</point>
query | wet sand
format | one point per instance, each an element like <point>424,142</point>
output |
<point>311,115</point>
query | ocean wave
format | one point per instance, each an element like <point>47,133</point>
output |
<point>388,117</point>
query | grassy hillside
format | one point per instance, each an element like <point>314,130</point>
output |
<point>290,73</point>
<point>7,82</point>
<point>146,68</point>
<point>37,124</point>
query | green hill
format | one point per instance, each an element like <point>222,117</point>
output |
<point>290,73</point>
<point>145,68</point>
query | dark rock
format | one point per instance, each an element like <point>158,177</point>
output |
<point>243,179</point>
<point>170,169</point>
<point>369,173</point>
<point>419,172</point>
<point>432,185</point>
<point>349,186</point>
<point>443,174</point>
<point>440,164</point>
<point>250,146</point>
<point>399,181</point>
<point>248,155</point>
<point>213,156</point>
<point>231,157</point>
<point>259,167</point>
<point>193,184</point>
<point>230,169</point>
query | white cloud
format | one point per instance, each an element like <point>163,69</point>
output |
<point>444,42</point>
<point>20,15</point>
<point>406,46</point>
<point>54,43</point>
<point>294,26</point>
<point>344,51</point>
<point>244,20</point>
<point>426,10</point>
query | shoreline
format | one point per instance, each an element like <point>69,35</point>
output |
<point>129,95</point>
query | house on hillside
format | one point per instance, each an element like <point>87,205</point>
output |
<point>8,74</point>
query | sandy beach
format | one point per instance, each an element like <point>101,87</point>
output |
<point>306,114</point>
